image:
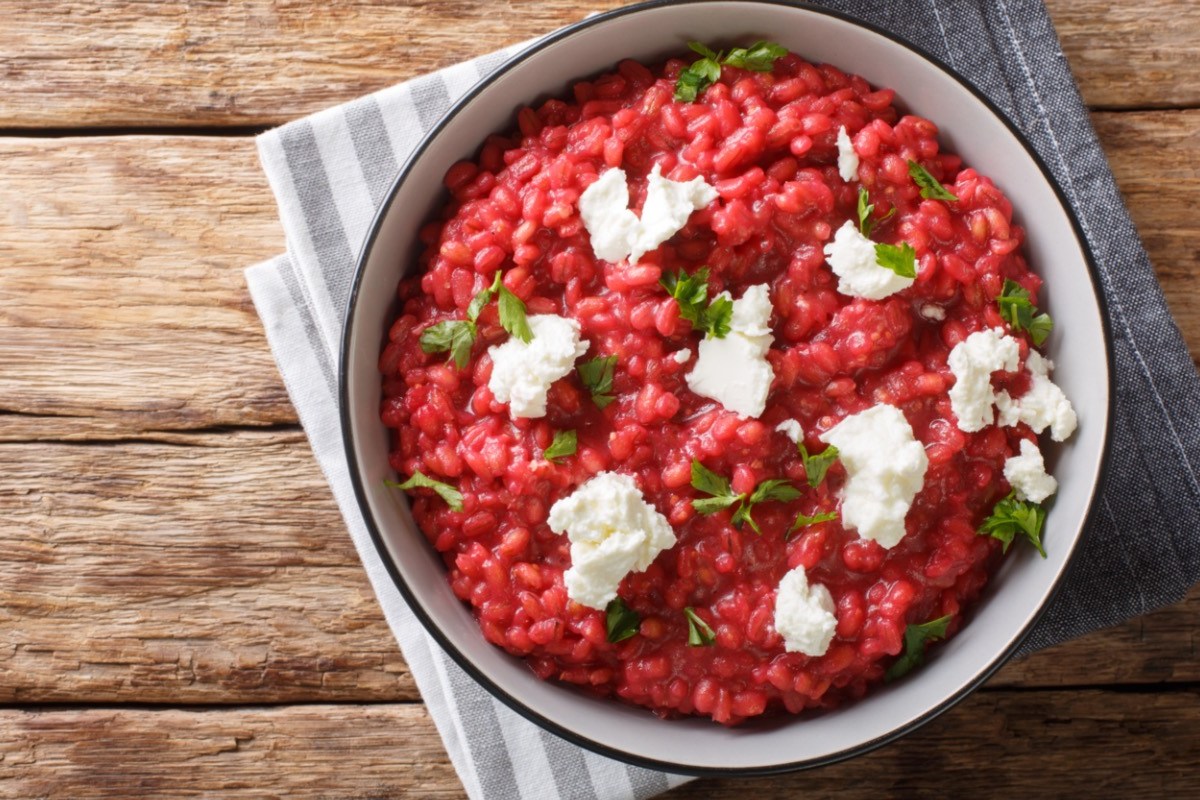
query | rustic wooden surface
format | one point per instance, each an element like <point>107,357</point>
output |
<point>181,613</point>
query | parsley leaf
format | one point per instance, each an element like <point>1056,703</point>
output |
<point>774,489</point>
<point>931,188</point>
<point>699,634</point>
<point>723,496</point>
<point>816,465</point>
<point>717,318</point>
<point>704,51</point>
<point>621,622</point>
<point>900,259</point>
<point>458,335</point>
<point>916,638</point>
<point>691,293</point>
<point>758,57</point>
<point>455,335</point>
<point>597,376</point>
<point>512,316</point>
<point>803,521</point>
<point>482,298</point>
<point>709,482</point>
<point>706,70</point>
<point>865,223</point>
<point>699,76</point>
<point>419,480</point>
<point>564,444</point>
<point>1017,307</point>
<point>1012,516</point>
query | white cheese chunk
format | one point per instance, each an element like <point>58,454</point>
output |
<point>847,157</point>
<point>667,208</point>
<point>885,468</point>
<point>973,361</point>
<point>791,429</point>
<point>522,373</point>
<point>682,356</point>
<point>1026,473</point>
<point>617,233</point>
<point>613,531</point>
<point>734,370</point>
<point>852,258</point>
<point>804,614</point>
<point>1007,411</point>
<point>604,209</point>
<point>932,312</point>
<point>1045,405</point>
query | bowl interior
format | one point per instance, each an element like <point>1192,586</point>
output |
<point>1078,347</point>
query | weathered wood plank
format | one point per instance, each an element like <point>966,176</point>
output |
<point>124,274</point>
<point>1154,158</point>
<point>255,62</point>
<point>1132,55</point>
<point>994,745</point>
<point>214,573</point>
<point>121,287</point>
<point>215,569</point>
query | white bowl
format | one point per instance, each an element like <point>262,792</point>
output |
<point>1080,346</point>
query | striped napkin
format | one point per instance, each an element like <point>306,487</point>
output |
<point>329,172</point>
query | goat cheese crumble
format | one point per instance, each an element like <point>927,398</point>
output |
<point>1027,475</point>
<point>885,468</point>
<point>973,361</point>
<point>613,531</point>
<point>734,370</point>
<point>847,157</point>
<point>804,614</point>
<point>616,232</point>
<point>852,258</point>
<point>522,372</point>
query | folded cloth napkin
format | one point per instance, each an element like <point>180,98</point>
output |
<point>330,171</point>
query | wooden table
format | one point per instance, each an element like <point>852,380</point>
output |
<point>181,611</point>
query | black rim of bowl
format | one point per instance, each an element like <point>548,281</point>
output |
<point>466,664</point>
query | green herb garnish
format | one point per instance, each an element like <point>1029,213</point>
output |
<point>419,480</point>
<point>803,521</point>
<point>931,187</point>
<point>512,315</point>
<point>776,489</point>
<point>1011,517</point>
<point>564,444</point>
<point>483,297</point>
<point>702,73</point>
<point>817,464</point>
<point>722,496</point>
<point>699,634</point>
<point>1017,307</point>
<point>454,335</point>
<point>458,335</point>
<point>691,293</point>
<point>597,377</point>
<point>758,57</point>
<point>621,621</point>
<point>900,259</point>
<point>916,638</point>
<point>706,70</point>
<point>865,223</point>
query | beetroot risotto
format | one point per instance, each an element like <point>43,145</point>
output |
<point>718,386</point>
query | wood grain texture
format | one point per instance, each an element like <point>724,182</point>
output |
<point>166,539</point>
<point>1000,744</point>
<point>215,568</point>
<point>146,63</point>
<point>121,286</point>
<point>123,308</point>
<point>212,571</point>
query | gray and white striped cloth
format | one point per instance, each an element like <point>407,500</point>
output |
<point>330,171</point>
